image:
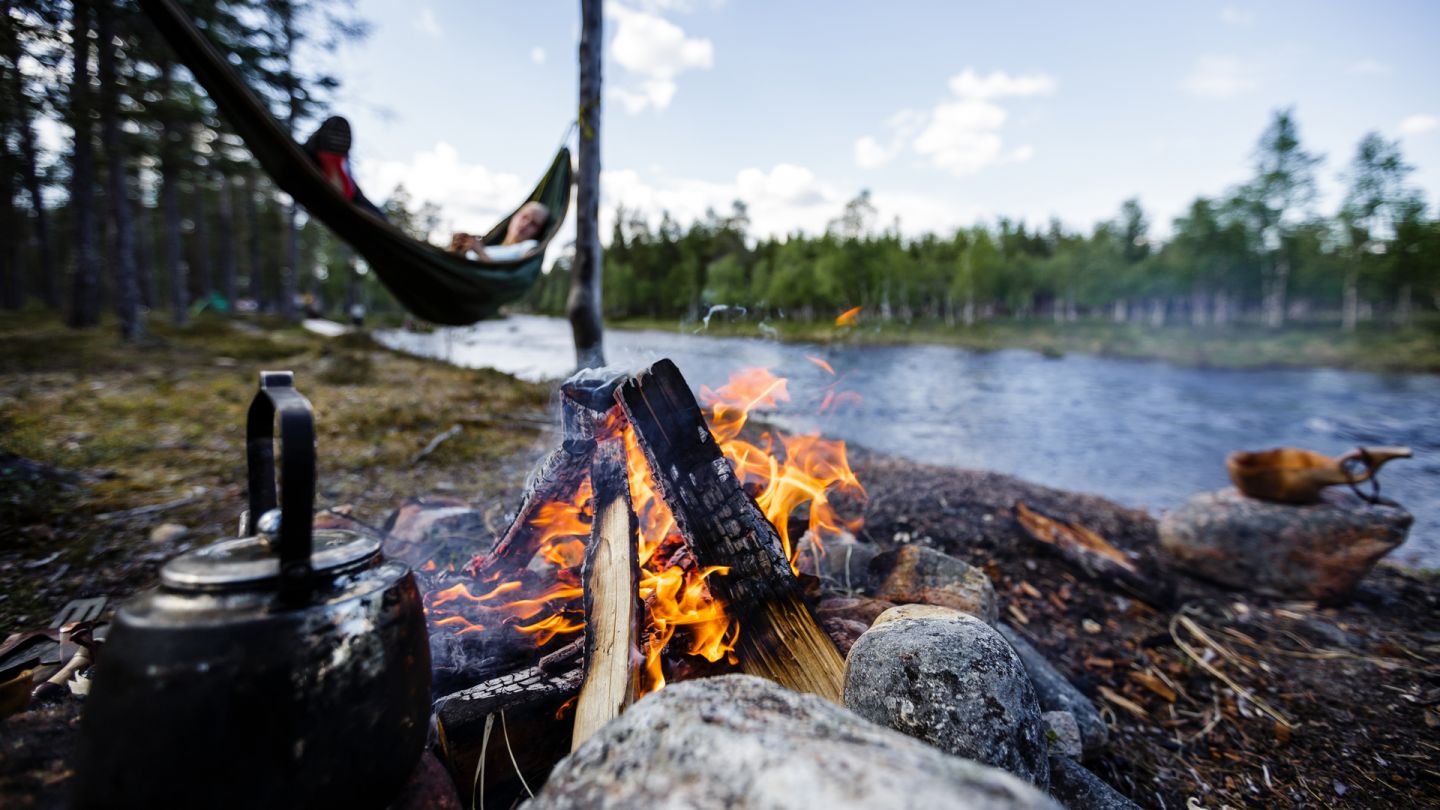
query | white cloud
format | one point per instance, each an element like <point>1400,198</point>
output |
<point>1368,67</point>
<point>537,55</point>
<point>655,51</point>
<point>1000,84</point>
<point>961,133</point>
<point>472,197</point>
<point>1219,76</point>
<point>870,154</point>
<point>427,24</point>
<point>1236,16</point>
<point>1419,124</point>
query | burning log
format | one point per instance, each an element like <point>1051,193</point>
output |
<point>779,637</point>
<point>557,478</point>
<point>612,607</point>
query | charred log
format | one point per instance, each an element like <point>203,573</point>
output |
<point>780,638</point>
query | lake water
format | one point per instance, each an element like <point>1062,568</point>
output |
<point>1145,434</point>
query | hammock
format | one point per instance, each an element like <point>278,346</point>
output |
<point>431,283</point>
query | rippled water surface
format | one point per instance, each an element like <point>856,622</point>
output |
<point>1142,433</point>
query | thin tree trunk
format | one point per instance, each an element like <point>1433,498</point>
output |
<point>228,286</point>
<point>290,267</point>
<point>200,270</point>
<point>256,282</point>
<point>145,254</point>
<point>170,202</point>
<point>1350,306</point>
<point>127,289</point>
<point>85,305</point>
<point>44,252</point>
<point>12,274</point>
<point>583,303</point>
<point>1279,287</point>
<point>1404,304</point>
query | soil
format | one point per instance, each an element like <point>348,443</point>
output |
<point>96,430</point>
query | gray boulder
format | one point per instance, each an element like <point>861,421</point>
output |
<point>946,677</point>
<point>1063,734</point>
<point>1074,786</point>
<point>745,743</point>
<point>1057,694</point>
<point>1317,551</point>
<point>917,574</point>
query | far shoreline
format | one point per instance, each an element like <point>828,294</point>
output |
<point>1412,350</point>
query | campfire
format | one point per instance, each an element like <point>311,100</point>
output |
<point>618,580</point>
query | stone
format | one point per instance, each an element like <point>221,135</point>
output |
<point>842,563</point>
<point>1063,734</point>
<point>1056,693</point>
<point>745,743</point>
<point>1317,551</point>
<point>918,574</point>
<point>948,678</point>
<point>1074,786</point>
<point>846,618</point>
<point>167,533</point>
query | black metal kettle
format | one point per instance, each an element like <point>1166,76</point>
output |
<point>286,668</point>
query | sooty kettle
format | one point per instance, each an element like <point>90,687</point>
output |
<point>286,668</point>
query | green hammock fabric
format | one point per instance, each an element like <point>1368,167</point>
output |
<point>431,283</point>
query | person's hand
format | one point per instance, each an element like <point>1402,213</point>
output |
<point>461,242</point>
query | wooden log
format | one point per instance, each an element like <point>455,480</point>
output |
<point>1094,557</point>
<point>612,605</point>
<point>556,478</point>
<point>502,735</point>
<point>779,637</point>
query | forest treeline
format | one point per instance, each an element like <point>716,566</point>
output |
<point>151,204</point>
<point>1261,252</point>
<point>148,205</point>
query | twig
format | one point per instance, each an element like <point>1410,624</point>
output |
<point>147,510</point>
<point>453,430</point>
<point>1208,667</point>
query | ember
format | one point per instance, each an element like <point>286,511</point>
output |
<point>540,597</point>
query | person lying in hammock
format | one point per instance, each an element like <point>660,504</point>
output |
<point>521,236</point>
<point>329,147</point>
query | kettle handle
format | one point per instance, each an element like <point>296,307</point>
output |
<point>277,395</point>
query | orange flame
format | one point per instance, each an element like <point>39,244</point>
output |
<point>800,476</point>
<point>821,363</point>
<point>848,317</point>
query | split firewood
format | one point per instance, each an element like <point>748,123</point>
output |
<point>611,575</point>
<point>1093,556</point>
<point>780,638</point>
<point>557,478</point>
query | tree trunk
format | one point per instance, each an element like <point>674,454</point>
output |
<point>200,272</point>
<point>12,275</point>
<point>1279,287</point>
<point>170,202</point>
<point>127,288</point>
<point>290,266</point>
<point>44,252</point>
<point>145,254</point>
<point>228,263</point>
<point>85,311</point>
<point>583,305</point>
<point>1350,306</point>
<point>1403,304</point>
<point>255,286</point>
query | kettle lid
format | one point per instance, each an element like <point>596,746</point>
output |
<point>250,563</point>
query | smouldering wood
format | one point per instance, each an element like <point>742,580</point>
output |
<point>612,606</point>
<point>779,637</point>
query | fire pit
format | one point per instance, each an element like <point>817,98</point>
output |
<point>612,581</point>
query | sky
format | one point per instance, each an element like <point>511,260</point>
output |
<point>950,112</point>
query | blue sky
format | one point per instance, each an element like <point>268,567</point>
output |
<point>949,112</point>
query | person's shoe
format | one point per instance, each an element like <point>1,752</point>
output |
<point>329,147</point>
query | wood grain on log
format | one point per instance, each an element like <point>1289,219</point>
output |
<point>779,637</point>
<point>612,606</point>
<point>1092,555</point>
